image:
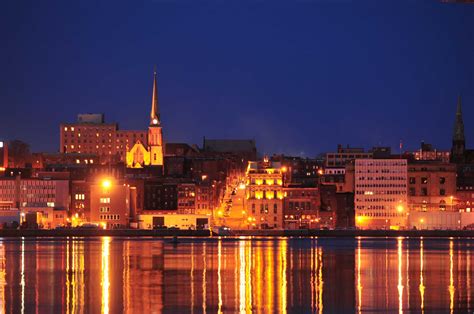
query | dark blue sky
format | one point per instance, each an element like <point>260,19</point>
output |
<point>298,76</point>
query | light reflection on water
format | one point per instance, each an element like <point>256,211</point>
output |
<point>111,275</point>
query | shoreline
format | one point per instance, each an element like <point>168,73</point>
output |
<point>8,233</point>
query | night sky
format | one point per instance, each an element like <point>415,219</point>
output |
<point>298,76</point>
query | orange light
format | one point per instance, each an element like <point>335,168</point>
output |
<point>106,184</point>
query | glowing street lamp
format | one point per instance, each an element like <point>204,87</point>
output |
<point>106,184</point>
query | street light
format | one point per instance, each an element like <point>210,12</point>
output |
<point>106,184</point>
<point>400,208</point>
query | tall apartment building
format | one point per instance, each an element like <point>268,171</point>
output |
<point>381,193</point>
<point>264,193</point>
<point>92,135</point>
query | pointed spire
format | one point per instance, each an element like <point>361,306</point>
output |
<point>459,109</point>
<point>458,134</point>
<point>154,114</point>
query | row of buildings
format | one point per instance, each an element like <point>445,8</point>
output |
<point>132,178</point>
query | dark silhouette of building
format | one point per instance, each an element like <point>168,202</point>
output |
<point>458,148</point>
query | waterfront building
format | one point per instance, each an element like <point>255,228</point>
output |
<point>301,207</point>
<point>264,194</point>
<point>110,203</point>
<point>44,195</point>
<point>431,186</point>
<point>432,200</point>
<point>179,221</point>
<point>381,193</point>
<point>80,199</point>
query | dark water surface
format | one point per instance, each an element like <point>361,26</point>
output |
<point>274,275</point>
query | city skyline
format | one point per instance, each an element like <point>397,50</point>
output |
<point>333,82</point>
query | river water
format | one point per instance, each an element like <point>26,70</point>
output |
<point>212,275</point>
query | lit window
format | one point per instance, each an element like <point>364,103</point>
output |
<point>105,200</point>
<point>65,128</point>
<point>72,128</point>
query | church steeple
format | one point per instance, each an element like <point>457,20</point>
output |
<point>459,142</point>
<point>155,113</point>
<point>458,134</point>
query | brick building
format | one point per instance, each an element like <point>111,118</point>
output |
<point>92,135</point>
<point>301,207</point>
<point>431,186</point>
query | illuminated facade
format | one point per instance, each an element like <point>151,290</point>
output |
<point>381,193</point>
<point>94,136</point>
<point>264,194</point>
<point>301,207</point>
<point>431,186</point>
<point>45,196</point>
<point>151,155</point>
<point>110,203</point>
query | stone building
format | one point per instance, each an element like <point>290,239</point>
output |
<point>264,193</point>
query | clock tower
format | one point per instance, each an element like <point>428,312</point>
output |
<point>155,136</point>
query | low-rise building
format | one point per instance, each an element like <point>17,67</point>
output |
<point>431,186</point>
<point>301,207</point>
<point>47,196</point>
<point>179,221</point>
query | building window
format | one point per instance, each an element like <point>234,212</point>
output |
<point>424,180</point>
<point>442,180</point>
<point>412,191</point>
<point>412,180</point>
<point>424,191</point>
<point>275,208</point>
<point>105,200</point>
<point>442,192</point>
